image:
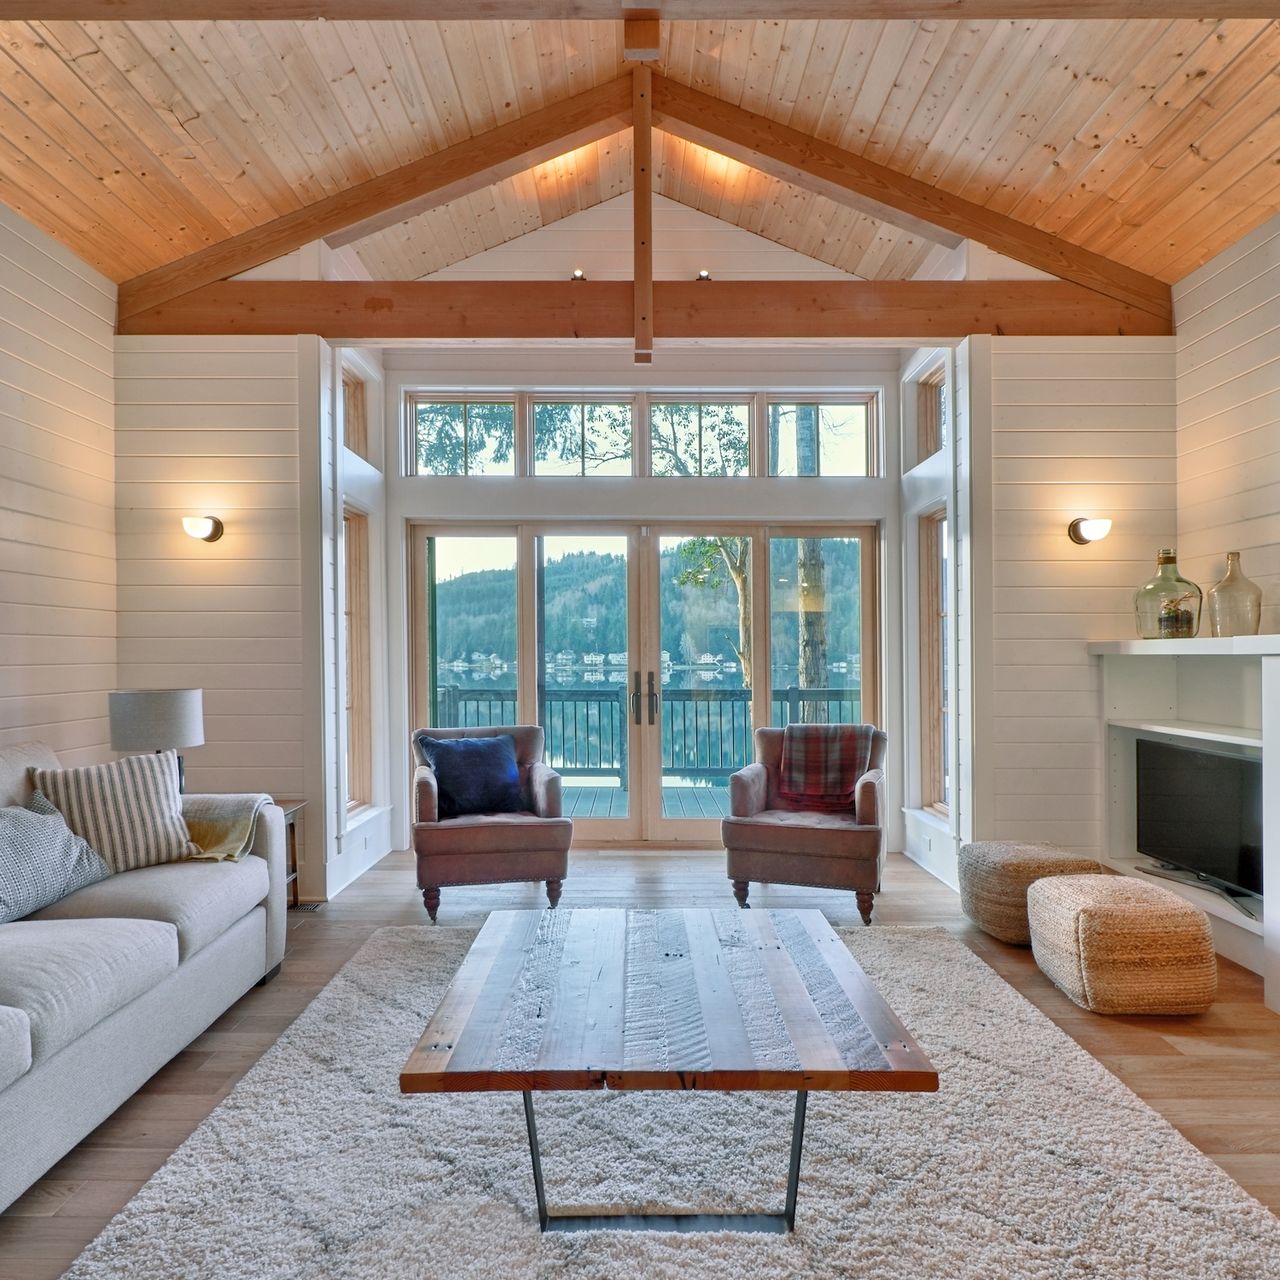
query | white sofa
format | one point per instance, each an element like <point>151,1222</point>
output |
<point>100,990</point>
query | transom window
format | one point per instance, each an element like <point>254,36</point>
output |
<point>524,433</point>
<point>700,438</point>
<point>463,437</point>
<point>814,438</point>
<point>581,438</point>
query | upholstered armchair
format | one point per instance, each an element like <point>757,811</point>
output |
<point>771,839</point>
<point>491,848</point>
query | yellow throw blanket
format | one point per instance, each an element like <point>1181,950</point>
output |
<point>222,826</point>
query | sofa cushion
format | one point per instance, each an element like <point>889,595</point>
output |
<point>487,833</point>
<point>829,835</point>
<point>202,900</point>
<point>41,859</point>
<point>67,975</point>
<point>130,811</point>
<point>15,1044</point>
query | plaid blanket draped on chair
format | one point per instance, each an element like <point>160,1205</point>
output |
<point>821,764</point>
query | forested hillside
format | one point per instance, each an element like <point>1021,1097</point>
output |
<point>586,607</point>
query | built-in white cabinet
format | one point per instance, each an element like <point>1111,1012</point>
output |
<point>1218,693</point>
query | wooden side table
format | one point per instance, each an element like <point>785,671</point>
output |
<point>291,810</point>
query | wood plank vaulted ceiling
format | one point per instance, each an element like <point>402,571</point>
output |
<point>1153,142</point>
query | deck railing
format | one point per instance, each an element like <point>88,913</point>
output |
<point>706,733</point>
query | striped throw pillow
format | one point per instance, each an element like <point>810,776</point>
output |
<point>130,811</point>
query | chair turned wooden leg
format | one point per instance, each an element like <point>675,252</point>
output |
<point>553,892</point>
<point>740,890</point>
<point>866,900</point>
<point>431,900</point>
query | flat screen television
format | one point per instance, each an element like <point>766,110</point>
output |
<point>1201,811</point>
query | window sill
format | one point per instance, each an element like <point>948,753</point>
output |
<point>932,817</point>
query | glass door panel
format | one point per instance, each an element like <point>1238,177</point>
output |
<point>471,632</point>
<point>815,615</point>
<point>585,672</point>
<point>704,669</point>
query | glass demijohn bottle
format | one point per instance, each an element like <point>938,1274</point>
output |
<point>1235,603</point>
<point>1167,607</point>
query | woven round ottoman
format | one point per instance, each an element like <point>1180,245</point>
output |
<point>994,875</point>
<point>1119,945</point>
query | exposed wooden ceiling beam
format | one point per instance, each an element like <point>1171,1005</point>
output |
<point>382,201</point>
<point>642,210</point>
<point>561,309</point>
<point>612,10</point>
<point>841,175</point>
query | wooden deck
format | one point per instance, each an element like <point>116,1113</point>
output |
<point>677,802</point>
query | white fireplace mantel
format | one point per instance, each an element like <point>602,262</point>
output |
<point>1227,647</point>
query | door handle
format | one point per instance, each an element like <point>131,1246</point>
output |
<point>653,700</point>
<point>635,698</point>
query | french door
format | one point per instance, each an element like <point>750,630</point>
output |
<point>648,653</point>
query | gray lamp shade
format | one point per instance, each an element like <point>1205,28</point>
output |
<point>156,719</point>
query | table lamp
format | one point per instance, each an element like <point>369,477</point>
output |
<point>157,720</point>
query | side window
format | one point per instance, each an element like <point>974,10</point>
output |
<point>355,415</point>
<point>935,695</point>
<point>355,566</point>
<point>931,413</point>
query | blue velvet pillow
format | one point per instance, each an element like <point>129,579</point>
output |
<point>474,775</point>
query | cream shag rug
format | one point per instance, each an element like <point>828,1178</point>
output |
<point>1031,1163</point>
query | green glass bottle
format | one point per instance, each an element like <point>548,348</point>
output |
<point>1167,607</point>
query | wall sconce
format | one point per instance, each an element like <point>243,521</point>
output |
<point>205,528</point>
<point>1085,529</point>
<point>704,274</point>
<point>577,274</point>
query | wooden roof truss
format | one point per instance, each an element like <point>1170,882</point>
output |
<point>195,294</point>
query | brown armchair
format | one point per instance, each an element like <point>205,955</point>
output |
<point>767,839</point>
<point>491,848</point>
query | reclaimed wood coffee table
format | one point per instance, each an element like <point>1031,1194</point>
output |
<point>693,999</point>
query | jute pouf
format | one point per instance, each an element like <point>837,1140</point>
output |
<point>994,875</point>
<point>1119,945</point>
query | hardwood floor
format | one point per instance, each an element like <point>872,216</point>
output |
<point>1215,1077</point>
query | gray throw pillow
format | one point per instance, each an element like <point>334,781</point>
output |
<point>41,859</point>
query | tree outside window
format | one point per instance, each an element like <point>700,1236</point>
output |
<point>697,438</point>
<point>815,439</point>
<point>581,438</point>
<point>464,437</point>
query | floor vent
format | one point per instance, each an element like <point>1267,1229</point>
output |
<point>307,906</point>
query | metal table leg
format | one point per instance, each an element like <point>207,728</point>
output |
<point>774,1223</point>
<point>797,1146</point>
<point>536,1154</point>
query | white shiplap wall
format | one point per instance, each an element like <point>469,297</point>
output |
<point>599,241</point>
<point>209,426</point>
<point>1081,426</point>
<point>1228,324</point>
<point>57,496</point>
